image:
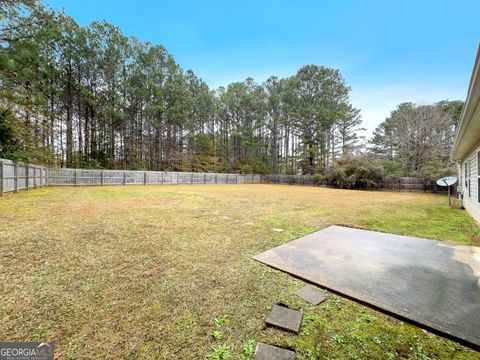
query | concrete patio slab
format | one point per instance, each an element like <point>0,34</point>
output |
<point>311,295</point>
<point>432,284</point>
<point>285,318</point>
<point>269,352</point>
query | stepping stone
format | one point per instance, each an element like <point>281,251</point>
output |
<point>285,318</point>
<point>269,352</point>
<point>311,295</point>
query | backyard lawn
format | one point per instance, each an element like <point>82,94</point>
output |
<point>166,271</point>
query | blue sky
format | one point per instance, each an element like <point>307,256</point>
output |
<point>388,51</point>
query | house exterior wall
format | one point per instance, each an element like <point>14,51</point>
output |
<point>466,147</point>
<point>469,183</point>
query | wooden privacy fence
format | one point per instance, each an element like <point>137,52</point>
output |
<point>289,179</point>
<point>409,184</point>
<point>20,176</point>
<point>16,176</point>
<point>130,177</point>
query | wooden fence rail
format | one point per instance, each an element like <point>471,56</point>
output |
<point>15,176</point>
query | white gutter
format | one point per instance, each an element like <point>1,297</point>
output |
<point>460,147</point>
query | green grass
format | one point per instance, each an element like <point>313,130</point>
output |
<point>153,272</point>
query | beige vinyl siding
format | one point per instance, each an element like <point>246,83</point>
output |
<point>471,203</point>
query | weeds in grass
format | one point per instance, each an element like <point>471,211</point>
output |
<point>419,350</point>
<point>280,297</point>
<point>222,320</point>
<point>339,339</point>
<point>249,349</point>
<point>308,318</point>
<point>249,302</point>
<point>191,325</point>
<point>390,355</point>
<point>338,303</point>
<point>217,335</point>
<point>366,317</point>
<point>309,354</point>
<point>220,352</point>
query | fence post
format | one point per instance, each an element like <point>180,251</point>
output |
<point>124,178</point>
<point>144,178</point>
<point>15,177</point>
<point>101,178</point>
<point>204,178</point>
<point>46,176</point>
<point>1,178</point>
<point>27,173</point>
<point>162,177</point>
<point>35,177</point>
<point>76,177</point>
<point>215,178</point>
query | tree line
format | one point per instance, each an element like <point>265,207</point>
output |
<point>92,97</point>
